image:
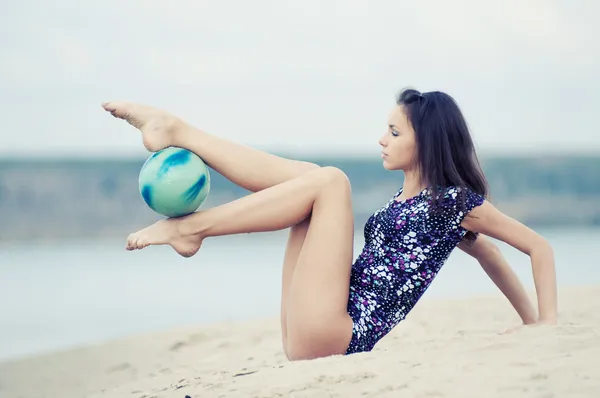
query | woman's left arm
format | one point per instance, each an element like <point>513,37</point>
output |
<point>499,271</point>
<point>488,220</point>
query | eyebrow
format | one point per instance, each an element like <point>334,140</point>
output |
<point>393,126</point>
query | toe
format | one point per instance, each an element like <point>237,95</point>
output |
<point>116,108</point>
<point>136,243</point>
<point>141,243</point>
<point>130,242</point>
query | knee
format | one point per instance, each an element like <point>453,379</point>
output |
<point>308,166</point>
<point>334,175</point>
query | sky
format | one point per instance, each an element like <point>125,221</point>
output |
<point>306,77</point>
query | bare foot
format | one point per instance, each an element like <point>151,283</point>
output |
<point>165,232</point>
<point>157,126</point>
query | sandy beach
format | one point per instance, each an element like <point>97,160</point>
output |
<point>449,348</point>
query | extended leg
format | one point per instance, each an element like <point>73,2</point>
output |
<point>247,167</point>
<point>317,321</point>
<point>161,129</point>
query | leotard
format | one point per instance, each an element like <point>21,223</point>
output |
<point>405,247</point>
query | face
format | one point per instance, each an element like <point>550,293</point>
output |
<point>398,144</point>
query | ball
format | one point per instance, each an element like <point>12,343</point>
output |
<point>174,182</point>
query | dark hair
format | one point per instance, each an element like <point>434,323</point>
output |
<point>446,153</point>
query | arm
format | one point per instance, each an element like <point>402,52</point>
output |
<point>495,266</point>
<point>486,219</point>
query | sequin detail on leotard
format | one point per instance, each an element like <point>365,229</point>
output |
<point>405,247</point>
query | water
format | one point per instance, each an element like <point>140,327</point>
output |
<point>62,294</point>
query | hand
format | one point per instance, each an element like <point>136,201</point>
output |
<point>547,321</point>
<point>540,322</point>
<point>511,330</point>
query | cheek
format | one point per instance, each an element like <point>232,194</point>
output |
<point>403,149</point>
<point>401,154</point>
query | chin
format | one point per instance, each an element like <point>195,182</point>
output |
<point>390,166</point>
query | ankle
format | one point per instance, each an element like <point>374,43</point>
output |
<point>194,224</point>
<point>181,133</point>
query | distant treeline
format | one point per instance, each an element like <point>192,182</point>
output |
<point>99,197</point>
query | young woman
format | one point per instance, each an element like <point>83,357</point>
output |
<point>331,305</point>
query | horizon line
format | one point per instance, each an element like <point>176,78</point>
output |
<point>119,156</point>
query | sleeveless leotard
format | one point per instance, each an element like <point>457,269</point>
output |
<point>405,247</point>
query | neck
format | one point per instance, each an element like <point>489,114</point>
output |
<point>412,184</point>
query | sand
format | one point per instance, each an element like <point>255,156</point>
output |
<point>449,348</point>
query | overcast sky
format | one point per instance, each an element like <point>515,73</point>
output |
<point>310,76</point>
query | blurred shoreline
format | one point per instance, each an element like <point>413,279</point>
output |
<point>47,199</point>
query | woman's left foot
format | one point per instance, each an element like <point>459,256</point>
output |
<point>165,232</point>
<point>159,128</point>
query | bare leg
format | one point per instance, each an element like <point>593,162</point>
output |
<point>160,129</point>
<point>317,320</point>
<point>293,248</point>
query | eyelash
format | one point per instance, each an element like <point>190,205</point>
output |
<point>394,133</point>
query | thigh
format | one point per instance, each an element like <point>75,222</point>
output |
<point>294,245</point>
<point>318,295</point>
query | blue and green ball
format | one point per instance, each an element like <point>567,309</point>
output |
<point>174,182</point>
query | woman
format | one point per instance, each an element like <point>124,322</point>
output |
<point>331,305</point>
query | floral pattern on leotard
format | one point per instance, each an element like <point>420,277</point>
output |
<point>405,247</point>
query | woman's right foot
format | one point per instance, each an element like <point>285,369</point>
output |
<point>158,127</point>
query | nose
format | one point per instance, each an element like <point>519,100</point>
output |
<point>382,142</point>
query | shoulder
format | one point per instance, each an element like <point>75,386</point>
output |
<point>453,204</point>
<point>461,199</point>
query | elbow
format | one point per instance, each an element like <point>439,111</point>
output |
<point>541,248</point>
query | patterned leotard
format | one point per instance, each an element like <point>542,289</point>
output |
<point>405,247</point>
